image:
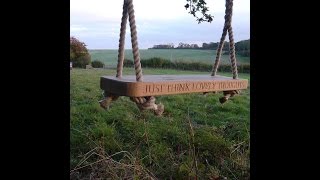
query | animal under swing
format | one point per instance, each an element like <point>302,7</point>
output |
<point>142,89</point>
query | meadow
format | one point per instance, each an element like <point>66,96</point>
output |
<point>110,56</point>
<point>195,138</point>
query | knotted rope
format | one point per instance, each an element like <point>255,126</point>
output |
<point>227,29</point>
<point>129,11</point>
<point>122,40</point>
<point>143,103</point>
<point>134,41</point>
<point>148,102</point>
<point>108,98</point>
<point>227,95</point>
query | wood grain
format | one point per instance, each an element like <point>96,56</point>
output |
<point>153,85</point>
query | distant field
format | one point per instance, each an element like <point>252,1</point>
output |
<point>109,57</point>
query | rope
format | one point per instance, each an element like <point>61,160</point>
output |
<point>134,41</point>
<point>233,55</point>
<point>227,95</point>
<point>219,50</point>
<point>143,103</point>
<point>122,39</point>
<point>227,28</point>
<point>108,98</point>
<point>148,103</point>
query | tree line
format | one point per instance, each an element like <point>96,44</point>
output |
<point>242,47</point>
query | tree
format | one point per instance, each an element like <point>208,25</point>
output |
<point>194,46</point>
<point>195,6</point>
<point>184,46</point>
<point>243,48</point>
<point>79,55</point>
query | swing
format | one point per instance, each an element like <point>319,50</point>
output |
<point>142,89</point>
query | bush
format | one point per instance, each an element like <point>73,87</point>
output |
<point>81,61</point>
<point>156,63</point>
<point>182,65</point>
<point>127,63</point>
<point>97,64</point>
<point>79,54</point>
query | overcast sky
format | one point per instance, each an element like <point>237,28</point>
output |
<point>97,22</point>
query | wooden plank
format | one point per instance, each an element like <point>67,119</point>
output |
<point>153,85</point>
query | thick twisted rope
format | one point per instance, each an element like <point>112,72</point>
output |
<point>134,41</point>
<point>219,50</point>
<point>122,39</point>
<point>108,98</point>
<point>232,54</point>
<point>143,103</point>
<point>148,103</point>
<point>227,95</point>
<point>227,28</point>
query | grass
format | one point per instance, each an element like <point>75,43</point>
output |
<point>110,56</point>
<point>195,137</point>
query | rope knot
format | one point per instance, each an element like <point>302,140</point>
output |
<point>227,95</point>
<point>108,98</point>
<point>148,103</point>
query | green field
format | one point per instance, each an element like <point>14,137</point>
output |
<point>109,57</point>
<point>195,138</point>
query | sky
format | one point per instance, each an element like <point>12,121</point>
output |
<point>97,22</point>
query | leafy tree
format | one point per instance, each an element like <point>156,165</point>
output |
<point>163,46</point>
<point>195,6</point>
<point>79,55</point>
<point>243,48</point>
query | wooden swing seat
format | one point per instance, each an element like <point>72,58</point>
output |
<point>153,85</point>
<point>142,89</point>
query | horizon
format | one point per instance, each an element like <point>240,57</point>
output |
<point>159,48</point>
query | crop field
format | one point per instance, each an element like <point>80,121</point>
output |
<point>109,57</point>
